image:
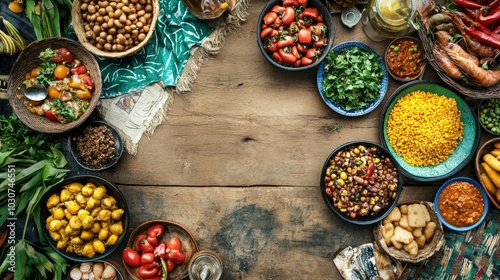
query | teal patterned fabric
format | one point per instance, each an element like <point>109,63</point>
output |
<point>164,56</point>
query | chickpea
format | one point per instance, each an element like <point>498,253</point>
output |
<point>141,37</point>
<point>91,9</point>
<point>84,6</point>
<point>102,11</point>
<point>148,8</point>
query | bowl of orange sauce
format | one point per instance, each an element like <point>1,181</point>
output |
<point>461,204</point>
<point>404,58</point>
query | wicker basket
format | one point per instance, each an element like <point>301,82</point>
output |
<point>474,92</point>
<point>26,61</point>
<point>78,26</point>
<point>424,253</point>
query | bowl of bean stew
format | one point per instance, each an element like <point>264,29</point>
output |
<point>461,204</point>
<point>361,182</point>
<point>96,146</point>
<point>404,58</point>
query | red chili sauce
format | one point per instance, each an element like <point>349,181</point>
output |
<point>461,204</point>
<point>405,59</point>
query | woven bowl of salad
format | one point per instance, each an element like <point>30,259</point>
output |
<point>353,79</point>
<point>70,75</point>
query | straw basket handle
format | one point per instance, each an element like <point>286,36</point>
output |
<point>3,86</point>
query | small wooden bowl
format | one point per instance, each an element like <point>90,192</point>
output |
<point>78,26</point>
<point>172,229</point>
<point>485,148</point>
<point>418,43</point>
<point>423,253</point>
<point>28,60</point>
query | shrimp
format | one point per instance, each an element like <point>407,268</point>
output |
<point>473,45</point>
<point>446,63</point>
<point>478,75</point>
<point>444,38</point>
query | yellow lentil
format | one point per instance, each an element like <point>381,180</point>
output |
<point>424,128</point>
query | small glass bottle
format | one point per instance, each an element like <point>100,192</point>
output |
<point>205,265</point>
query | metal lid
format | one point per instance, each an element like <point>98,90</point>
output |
<point>350,16</point>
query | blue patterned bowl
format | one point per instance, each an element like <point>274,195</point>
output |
<point>384,84</point>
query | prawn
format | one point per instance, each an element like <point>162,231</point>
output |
<point>446,63</point>
<point>473,45</point>
<point>477,74</point>
<point>444,38</point>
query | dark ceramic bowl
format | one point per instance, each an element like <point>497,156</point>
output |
<point>486,148</point>
<point>327,19</point>
<point>75,152</point>
<point>111,189</point>
<point>369,219</point>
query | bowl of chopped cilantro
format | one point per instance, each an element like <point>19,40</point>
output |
<point>353,79</point>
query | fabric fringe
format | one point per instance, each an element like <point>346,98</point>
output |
<point>224,25</point>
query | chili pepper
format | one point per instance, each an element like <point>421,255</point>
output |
<point>369,172</point>
<point>493,4</point>
<point>496,30</point>
<point>491,20</point>
<point>311,13</point>
<point>468,4</point>
<point>483,37</point>
<point>79,70</point>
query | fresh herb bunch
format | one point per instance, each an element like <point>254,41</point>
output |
<point>353,77</point>
<point>30,164</point>
<point>50,18</point>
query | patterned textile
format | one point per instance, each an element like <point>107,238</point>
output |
<point>467,255</point>
<point>162,59</point>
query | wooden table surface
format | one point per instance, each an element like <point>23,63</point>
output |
<point>238,163</point>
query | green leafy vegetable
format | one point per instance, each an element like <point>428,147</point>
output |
<point>65,111</point>
<point>352,77</point>
<point>46,55</point>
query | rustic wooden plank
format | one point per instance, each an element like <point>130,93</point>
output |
<point>260,232</point>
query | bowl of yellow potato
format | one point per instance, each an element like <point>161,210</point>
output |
<point>84,218</point>
<point>411,233</point>
<point>488,169</point>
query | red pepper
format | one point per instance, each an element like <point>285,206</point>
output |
<point>493,4</point>
<point>293,28</point>
<point>306,61</point>
<point>302,48</point>
<point>138,240</point>
<point>303,2</point>
<point>313,53</point>
<point>270,46</point>
<point>483,37</point>
<point>88,83</point>
<point>468,4</point>
<point>369,172</point>
<point>51,116</point>
<point>311,13</point>
<point>161,251</point>
<point>144,272</point>
<point>79,70</point>
<point>266,32</point>
<point>491,20</point>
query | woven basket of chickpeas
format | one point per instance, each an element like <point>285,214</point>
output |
<point>411,233</point>
<point>114,28</point>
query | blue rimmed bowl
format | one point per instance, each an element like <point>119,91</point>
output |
<point>384,83</point>
<point>483,194</point>
<point>462,154</point>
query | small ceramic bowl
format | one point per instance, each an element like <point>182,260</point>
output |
<point>171,229</point>
<point>331,185</point>
<point>330,36</point>
<point>85,138</point>
<point>103,269</point>
<point>490,190</point>
<point>438,197</point>
<point>404,58</point>
<point>489,115</point>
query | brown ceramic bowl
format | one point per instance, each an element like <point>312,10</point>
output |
<point>91,270</point>
<point>486,148</point>
<point>172,229</point>
<point>395,51</point>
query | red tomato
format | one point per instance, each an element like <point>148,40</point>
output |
<point>131,257</point>
<point>305,36</point>
<point>306,61</point>
<point>174,243</point>
<point>65,54</point>
<point>156,230</point>
<point>277,58</point>
<point>170,265</point>
<point>177,256</point>
<point>147,258</point>
<point>313,53</point>
<point>145,272</point>
<point>271,46</point>
<point>152,240</point>
<point>295,52</point>
<point>278,9</point>
<point>320,43</point>
<point>293,3</point>
<point>270,17</point>
<point>138,240</point>
<point>287,57</point>
<point>302,48</point>
<point>311,13</point>
<point>266,32</point>
<point>146,247</point>
<point>50,115</point>
<point>153,278</point>
<point>286,42</point>
<point>288,16</point>
<point>79,70</point>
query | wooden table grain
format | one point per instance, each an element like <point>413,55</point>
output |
<point>238,163</point>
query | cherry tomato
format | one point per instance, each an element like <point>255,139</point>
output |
<point>305,61</point>
<point>79,70</point>
<point>174,243</point>
<point>53,92</point>
<point>270,17</point>
<point>88,83</point>
<point>50,115</point>
<point>305,37</point>
<point>277,58</point>
<point>156,230</point>
<point>170,265</point>
<point>146,247</point>
<point>177,256</point>
<point>147,258</point>
<point>34,73</point>
<point>288,16</point>
<point>131,257</point>
<point>138,240</point>
<point>61,71</point>
<point>266,32</point>
<point>320,43</point>
<point>145,272</point>
<point>313,53</point>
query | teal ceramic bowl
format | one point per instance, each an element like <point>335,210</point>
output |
<point>466,147</point>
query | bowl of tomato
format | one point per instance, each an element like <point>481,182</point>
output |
<point>69,73</point>
<point>158,246</point>
<point>295,35</point>
<point>404,58</point>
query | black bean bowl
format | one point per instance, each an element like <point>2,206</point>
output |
<point>347,189</point>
